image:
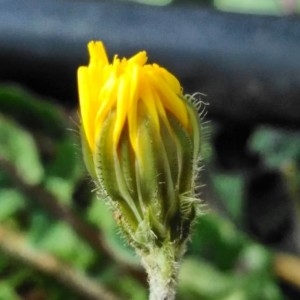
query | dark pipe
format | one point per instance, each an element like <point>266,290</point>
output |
<point>249,66</point>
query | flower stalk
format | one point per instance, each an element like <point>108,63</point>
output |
<point>161,265</point>
<point>141,140</point>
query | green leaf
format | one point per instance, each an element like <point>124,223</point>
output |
<point>60,188</point>
<point>229,189</point>
<point>63,171</point>
<point>10,202</point>
<point>257,275</point>
<point>201,280</point>
<point>248,6</point>
<point>256,258</point>
<point>217,240</point>
<point>131,289</point>
<point>250,279</point>
<point>32,112</point>
<point>19,147</point>
<point>63,242</point>
<point>7,291</point>
<point>277,147</point>
<point>233,256</point>
<point>66,163</point>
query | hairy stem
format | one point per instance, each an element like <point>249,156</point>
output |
<point>161,265</point>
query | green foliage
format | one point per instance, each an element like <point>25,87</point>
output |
<point>218,241</point>
<point>277,147</point>
<point>256,6</point>
<point>31,112</point>
<point>226,265</point>
<point>36,144</point>
<point>18,146</point>
<point>230,189</point>
<point>222,262</point>
<point>280,149</point>
<point>265,7</point>
<point>7,291</point>
<point>100,215</point>
<point>60,240</point>
<point>11,201</point>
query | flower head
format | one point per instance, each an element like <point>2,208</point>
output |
<point>141,143</point>
<point>130,88</point>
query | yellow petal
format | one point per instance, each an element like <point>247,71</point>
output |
<point>131,88</point>
<point>169,99</point>
<point>107,100</point>
<point>148,99</point>
<point>122,108</point>
<point>140,58</point>
<point>97,52</point>
<point>171,80</point>
<point>86,110</point>
<point>132,105</point>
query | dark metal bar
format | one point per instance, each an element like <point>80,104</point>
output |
<point>249,66</point>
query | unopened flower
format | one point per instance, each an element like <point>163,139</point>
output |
<point>141,139</point>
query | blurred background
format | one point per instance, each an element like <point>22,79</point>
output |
<point>57,241</point>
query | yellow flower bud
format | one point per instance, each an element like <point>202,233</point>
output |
<point>141,144</point>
